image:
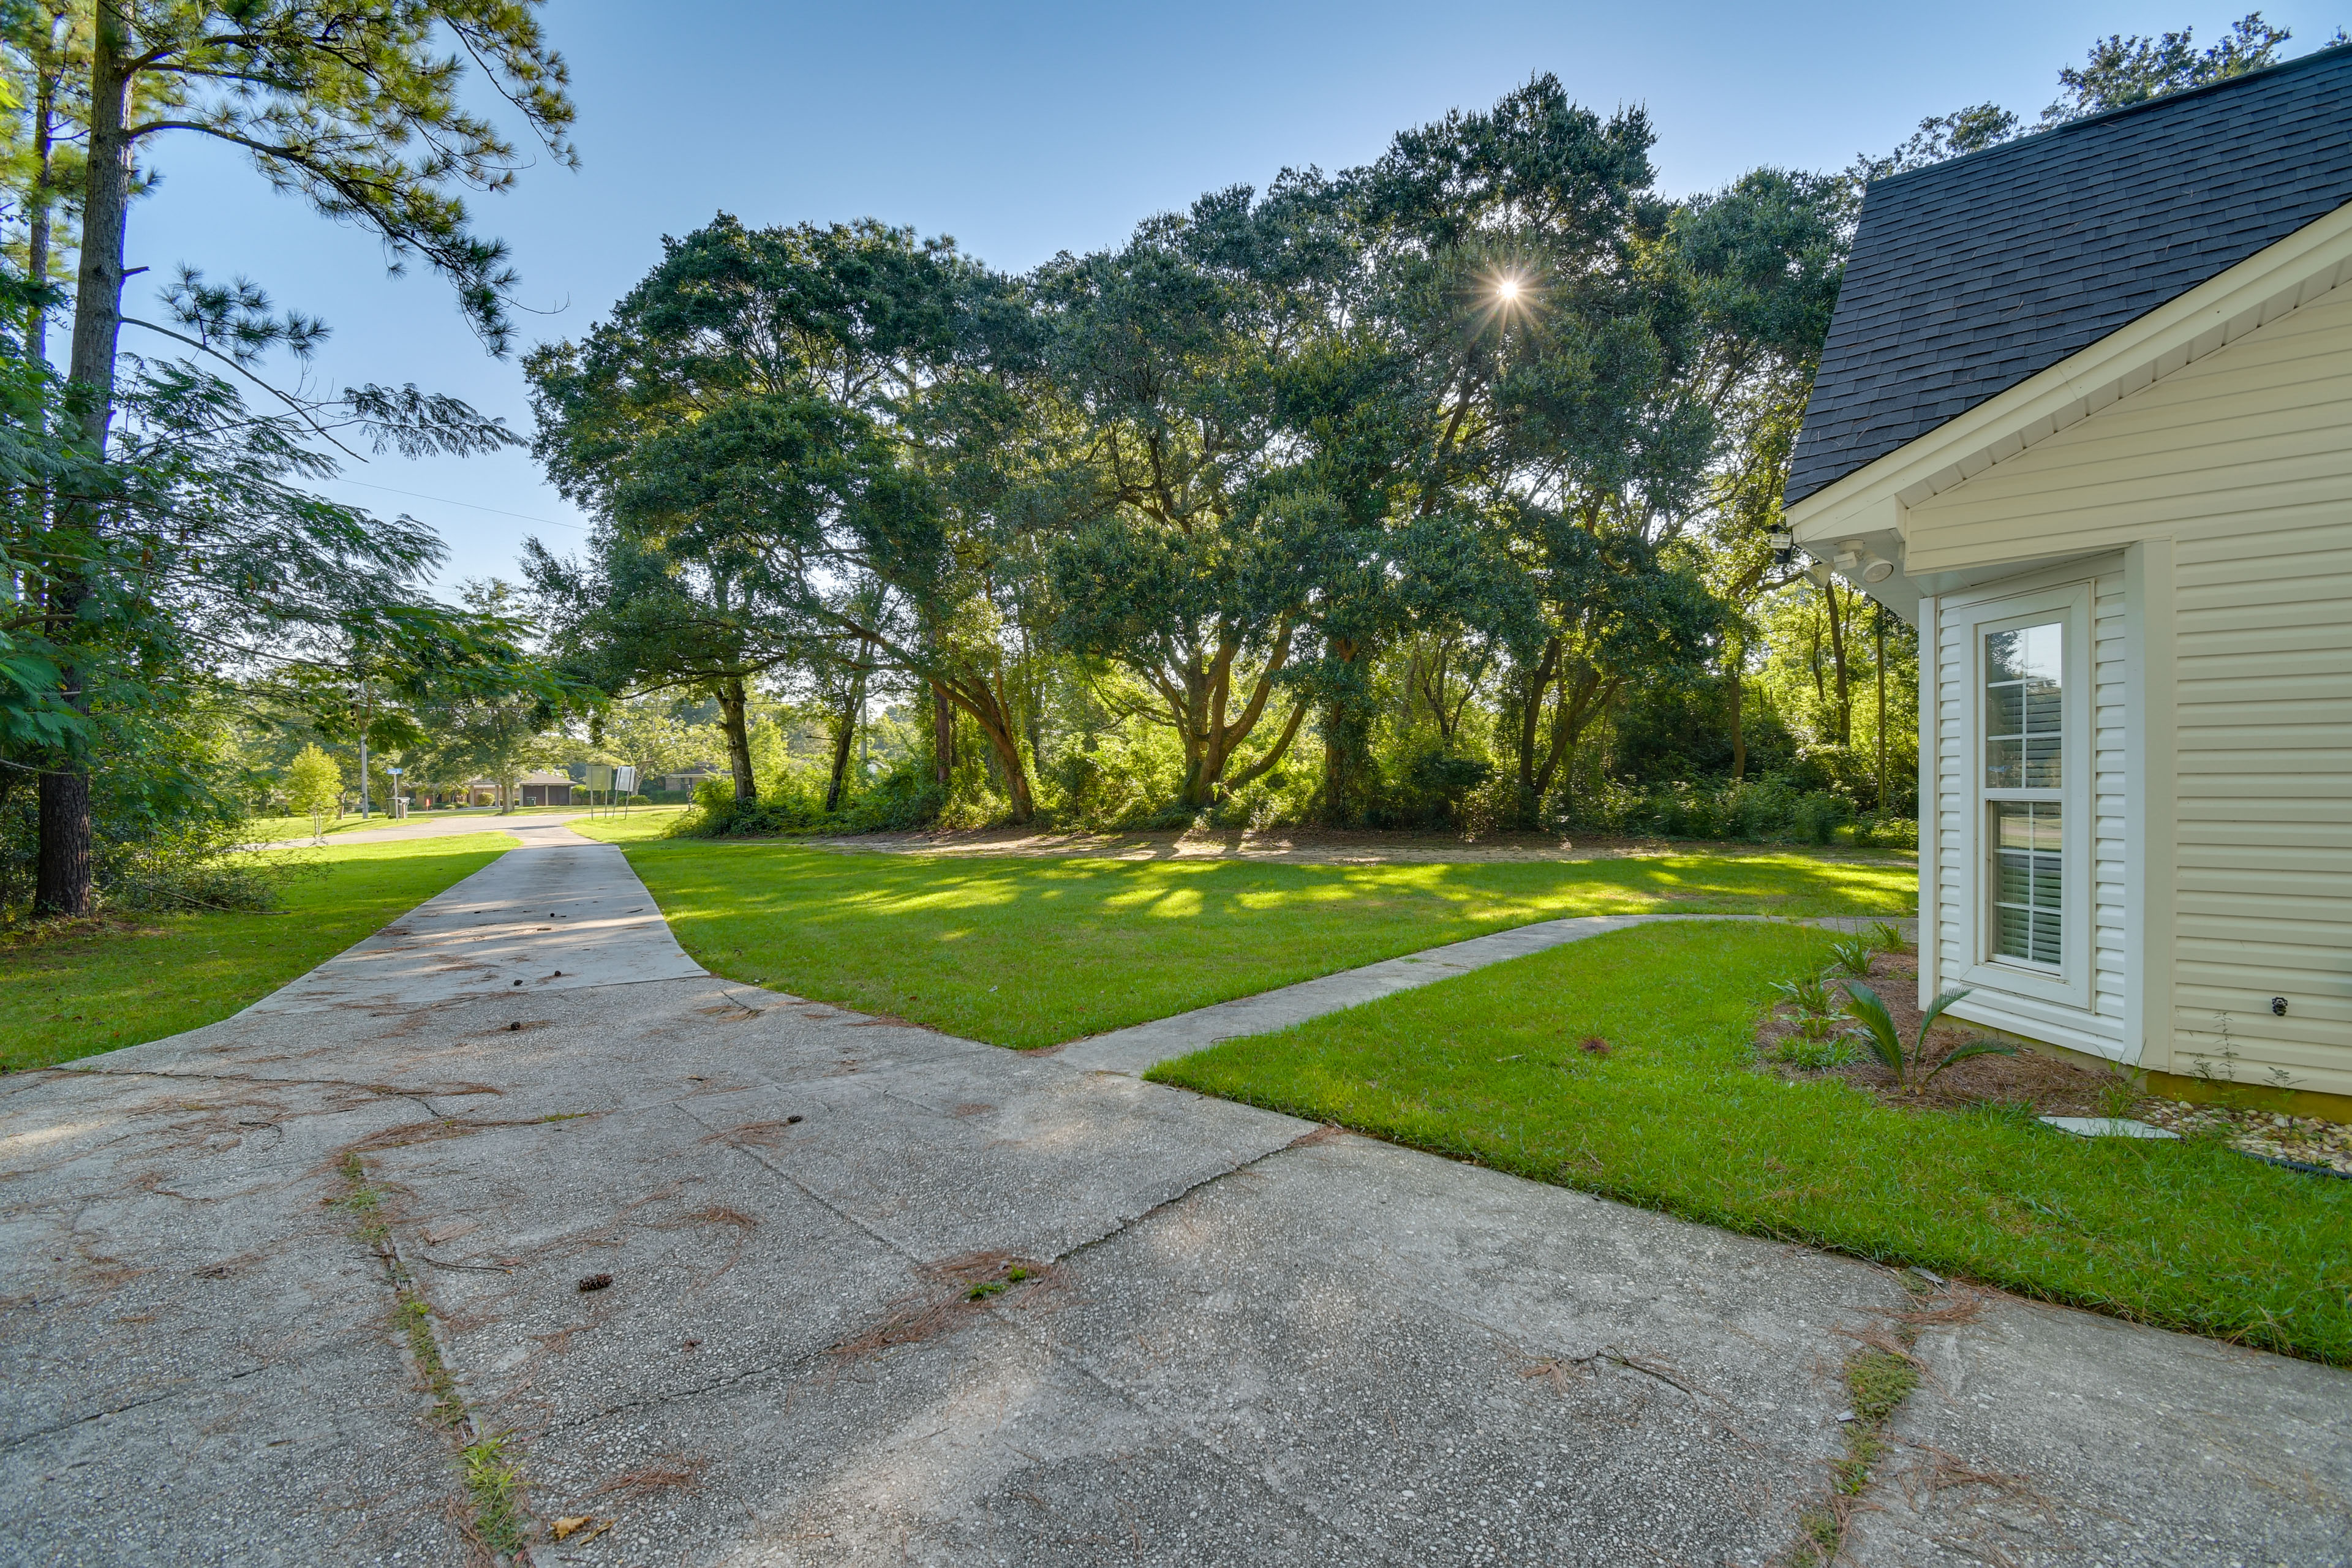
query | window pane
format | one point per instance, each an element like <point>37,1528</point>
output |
<point>2025,708</point>
<point>2029,880</point>
<point>2038,649</point>
<point>2041,762</point>
<point>2005,710</point>
<point>2041,706</point>
<point>2000,658</point>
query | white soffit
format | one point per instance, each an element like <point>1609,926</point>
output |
<point>2267,285</point>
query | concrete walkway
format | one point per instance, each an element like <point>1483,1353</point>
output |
<point>1237,1338</point>
<point>560,912</point>
<point>1138,1049</point>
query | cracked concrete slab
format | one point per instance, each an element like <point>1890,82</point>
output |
<point>197,1365</point>
<point>2046,1436</point>
<point>1236,1338</point>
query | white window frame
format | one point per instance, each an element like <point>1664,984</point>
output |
<point>2070,985</point>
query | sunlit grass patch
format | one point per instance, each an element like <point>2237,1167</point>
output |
<point>1032,952</point>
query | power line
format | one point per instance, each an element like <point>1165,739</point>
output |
<point>474,506</point>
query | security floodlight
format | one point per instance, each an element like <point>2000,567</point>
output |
<point>1857,560</point>
<point>1784,546</point>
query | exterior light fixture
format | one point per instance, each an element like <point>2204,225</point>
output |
<point>1855,560</point>
<point>1784,546</point>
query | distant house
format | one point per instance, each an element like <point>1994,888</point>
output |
<point>2084,417</point>
<point>477,791</point>
<point>543,788</point>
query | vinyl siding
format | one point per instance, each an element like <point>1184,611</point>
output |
<point>1955,839</point>
<point>2241,466</point>
<point>2263,899</point>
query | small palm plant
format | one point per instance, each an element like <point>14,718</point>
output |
<point>1811,992</point>
<point>1911,1067</point>
<point>1853,956</point>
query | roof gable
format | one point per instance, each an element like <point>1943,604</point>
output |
<point>1969,276</point>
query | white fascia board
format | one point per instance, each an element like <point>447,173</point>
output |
<point>2267,285</point>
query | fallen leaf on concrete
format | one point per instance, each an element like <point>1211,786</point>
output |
<point>564,1529</point>
<point>595,1282</point>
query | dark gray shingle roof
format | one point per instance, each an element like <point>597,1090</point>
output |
<point>1970,276</point>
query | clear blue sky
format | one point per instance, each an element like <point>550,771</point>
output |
<point>1026,130</point>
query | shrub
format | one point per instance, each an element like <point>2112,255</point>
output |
<point>1818,816</point>
<point>1119,776</point>
<point>194,877</point>
<point>906,797</point>
<point>1432,786</point>
<point>1769,808</point>
<point>717,814</point>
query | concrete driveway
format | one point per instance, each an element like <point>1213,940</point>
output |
<point>1236,1338</point>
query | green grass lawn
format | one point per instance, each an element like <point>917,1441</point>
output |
<point>1488,1066</point>
<point>1031,951</point>
<point>158,974</point>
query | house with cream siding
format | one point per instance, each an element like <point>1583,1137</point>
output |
<point>2084,418</point>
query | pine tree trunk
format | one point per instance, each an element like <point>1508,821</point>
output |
<point>62,877</point>
<point>36,219</point>
<point>62,874</point>
<point>97,294</point>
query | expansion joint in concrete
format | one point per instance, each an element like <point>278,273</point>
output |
<point>500,1519</point>
<point>1173,1200</point>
